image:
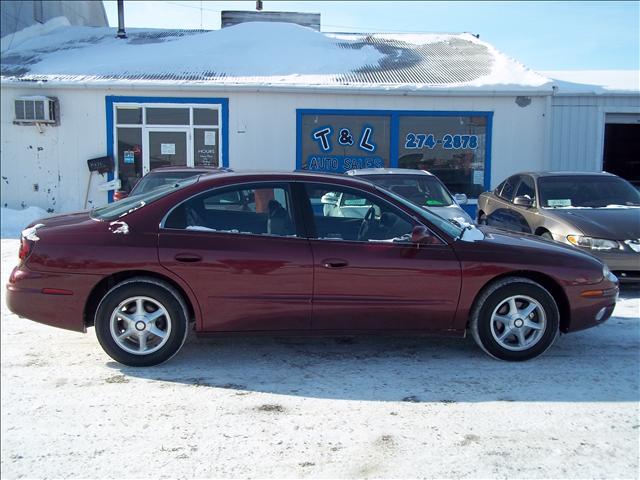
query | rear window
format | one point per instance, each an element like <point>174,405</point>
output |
<point>130,204</point>
<point>155,180</point>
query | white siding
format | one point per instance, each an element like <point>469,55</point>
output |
<point>262,135</point>
<point>577,129</point>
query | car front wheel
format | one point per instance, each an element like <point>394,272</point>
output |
<point>515,319</point>
<point>141,322</point>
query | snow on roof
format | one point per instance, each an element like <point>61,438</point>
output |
<point>595,81</point>
<point>263,54</point>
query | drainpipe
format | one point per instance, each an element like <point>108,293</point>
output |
<point>121,32</point>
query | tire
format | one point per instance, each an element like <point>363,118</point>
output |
<point>517,335</point>
<point>163,322</point>
<point>482,219</point>
<point>546,235</point>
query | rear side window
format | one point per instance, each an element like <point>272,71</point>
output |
<point>255,210</point>
<point>509,188</point>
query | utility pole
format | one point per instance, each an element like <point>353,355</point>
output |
<point>121,32</point>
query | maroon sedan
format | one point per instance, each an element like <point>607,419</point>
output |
<point>263,252</point>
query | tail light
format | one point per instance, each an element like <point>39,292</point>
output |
<point>25,248</point>
<point>27,240</point>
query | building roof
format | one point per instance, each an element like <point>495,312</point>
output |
<point>595,82</point>
<point>263,55</point>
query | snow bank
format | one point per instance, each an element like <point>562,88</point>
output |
<point>14,221</point>
<point>249,49</point>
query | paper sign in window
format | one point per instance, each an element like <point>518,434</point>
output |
<point>210,137</point>
<point>168,148</point>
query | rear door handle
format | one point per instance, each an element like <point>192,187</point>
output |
<point>334,263</point>
<point>188,257</point>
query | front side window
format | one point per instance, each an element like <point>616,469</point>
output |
<point>259,210</point>
<point>342,213</point>
<point>526,188</point>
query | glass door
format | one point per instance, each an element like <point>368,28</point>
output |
<point>167,147</point>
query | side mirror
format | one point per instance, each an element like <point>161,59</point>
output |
<point>461,198</point>
<point>523,201</point>
<point>330,198</point>
<point>421,235</point>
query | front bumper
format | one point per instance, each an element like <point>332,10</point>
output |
<point>592,305</point>
<point>625,264</point>
<point>50,298</point>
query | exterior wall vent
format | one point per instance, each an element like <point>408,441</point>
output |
<point>31,110</point>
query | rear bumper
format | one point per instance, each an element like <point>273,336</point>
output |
<point>53,299</point>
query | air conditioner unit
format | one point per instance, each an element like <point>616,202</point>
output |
<point>30,110</point>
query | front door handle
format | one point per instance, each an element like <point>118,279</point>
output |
<point>187,257</point>
<point>334,263</point>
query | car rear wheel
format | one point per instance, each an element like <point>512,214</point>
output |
<point>515,319</point>
<point>141,322</point>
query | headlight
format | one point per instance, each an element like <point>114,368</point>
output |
<point>593,243</point>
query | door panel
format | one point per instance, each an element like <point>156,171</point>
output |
<point>243,282</point>
<point>367,273</point>
<point>384,286</point>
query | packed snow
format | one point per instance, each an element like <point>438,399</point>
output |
<point>14,221</point>
<point>250,54</point>
<point>320,408</point>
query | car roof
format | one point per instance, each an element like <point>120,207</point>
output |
<point>564,173</point>
<point>388,171</point>
<point>182,168</point>
<point>261,175</point>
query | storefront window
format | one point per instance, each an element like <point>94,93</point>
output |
<point>450,147</point>
<point>148,137</point>
<point>167,116</point>
<point>129,156</point>
<point>337,143</point>
<point>129,115</point>
<point>205,147</point>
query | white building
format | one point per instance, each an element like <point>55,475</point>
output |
<point>268,96</point>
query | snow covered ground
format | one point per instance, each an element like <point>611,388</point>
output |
<point>320,408</point>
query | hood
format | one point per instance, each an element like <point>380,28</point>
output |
<point>525,241</point>
<point>611,223</point>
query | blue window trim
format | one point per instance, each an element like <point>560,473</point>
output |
<point>111,99</point>
<point>395,116</point>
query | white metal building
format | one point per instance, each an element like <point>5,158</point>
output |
<point>269,96</point>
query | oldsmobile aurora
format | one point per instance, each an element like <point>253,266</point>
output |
<point>246,253</point>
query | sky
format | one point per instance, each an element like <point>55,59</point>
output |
<point>543,35</point>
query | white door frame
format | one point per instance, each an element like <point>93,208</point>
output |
<point>145,143</point>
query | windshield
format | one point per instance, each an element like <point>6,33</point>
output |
<point>155,180</point>
<point>586,191</point>
<point>422,190</point>
<point>437,220</point>
<point>124,207</point>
